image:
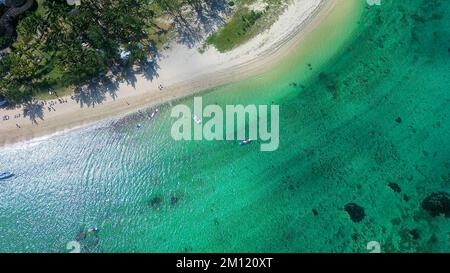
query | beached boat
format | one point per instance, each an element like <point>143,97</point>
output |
<point>152,115</point>
<point>6,175</point>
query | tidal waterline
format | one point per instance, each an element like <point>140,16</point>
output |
<point>364,105</point>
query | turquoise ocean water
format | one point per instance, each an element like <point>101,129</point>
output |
<point>366,107</point>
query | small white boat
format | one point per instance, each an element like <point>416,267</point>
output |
<point>154,113</point>
<point>6,175</point>
<point>197,119</point>
<point>245,142</point>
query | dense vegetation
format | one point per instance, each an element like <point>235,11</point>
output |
<point>59,45</point>
<point>235,31</point>
<point>246,22</point>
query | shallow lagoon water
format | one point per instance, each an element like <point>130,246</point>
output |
<point>366,107</point>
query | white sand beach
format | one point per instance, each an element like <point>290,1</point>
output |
<point>182,71</point>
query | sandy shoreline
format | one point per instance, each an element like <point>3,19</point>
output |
<point>183,72</point>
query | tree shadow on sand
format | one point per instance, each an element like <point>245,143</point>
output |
<point>34,111</point>
<point>94,92</point>
<point>211,14</point>
<point>149,70</point>
<point>206,17</point>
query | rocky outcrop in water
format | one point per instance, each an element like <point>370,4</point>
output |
<point>437,203</point>
<point>9,19</point>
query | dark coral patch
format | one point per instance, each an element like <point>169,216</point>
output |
<point>155,202</point>
<point>437,203</point>
<point>394,186</point>
<point>415,234</point>
<point>174,200</point>
<point>405,197</point>
<point>355,211</point>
